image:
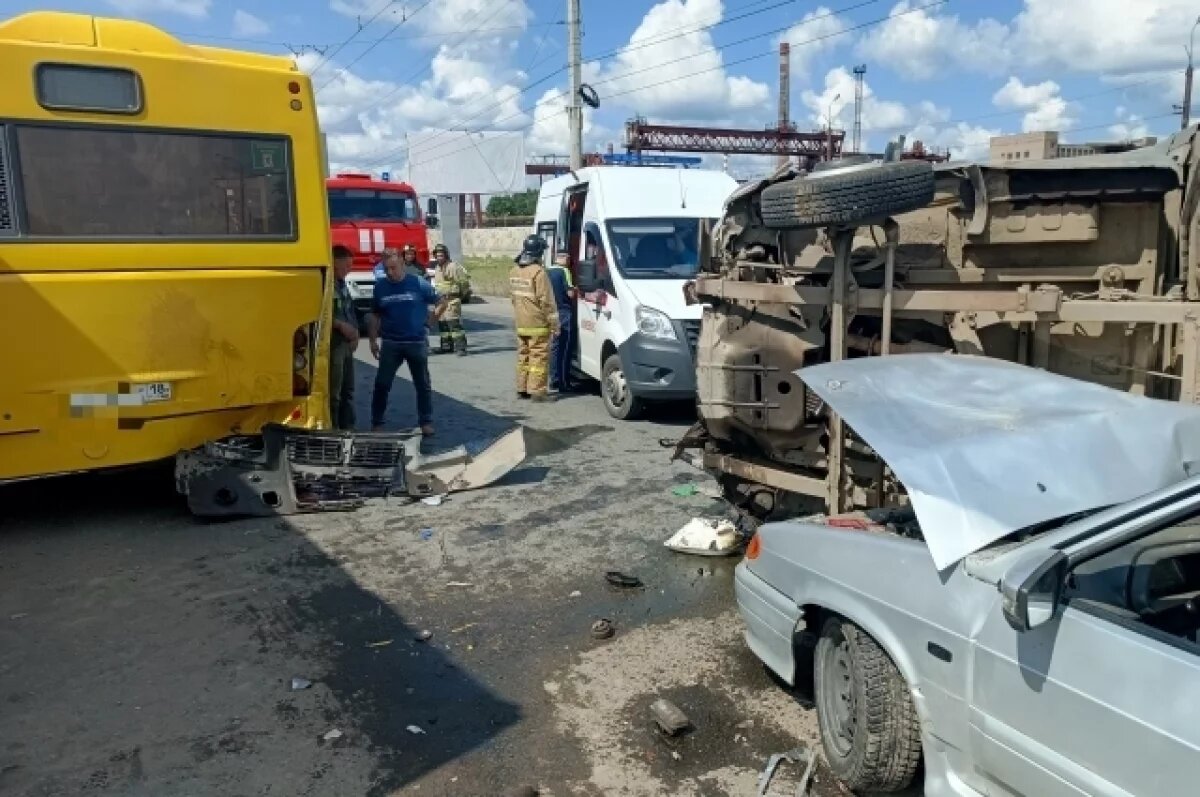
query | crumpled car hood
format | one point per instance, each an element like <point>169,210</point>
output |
<point>986,447</point>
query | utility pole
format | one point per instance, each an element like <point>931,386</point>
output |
<point>785,92</point>
<point>575,106</point>
<point>829,128</point>
<point>860,72</point>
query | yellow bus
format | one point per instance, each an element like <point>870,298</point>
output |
<point>164,245</point>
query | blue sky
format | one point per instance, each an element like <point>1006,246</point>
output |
<point>951,73</point>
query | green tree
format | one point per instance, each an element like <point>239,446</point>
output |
<point>522,204</point>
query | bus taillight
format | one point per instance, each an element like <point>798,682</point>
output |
<point>302,357</point>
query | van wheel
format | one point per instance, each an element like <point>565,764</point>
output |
<point>614,387</point>
<point>869,727</point>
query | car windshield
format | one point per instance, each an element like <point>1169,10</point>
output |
<point>368,204</point>
<point>656,248</point>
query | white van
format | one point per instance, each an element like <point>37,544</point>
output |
<point>631,238</point>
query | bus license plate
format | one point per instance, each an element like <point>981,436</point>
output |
<point>152,392</point>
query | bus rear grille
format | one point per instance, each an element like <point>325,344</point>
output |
<point>8,222</point>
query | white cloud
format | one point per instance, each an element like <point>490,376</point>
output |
<point>814,35</point>
<point>1128,126</point>
<point>1111,36</point>
<point>246,24</point>
<point>1044,107</point>
<point>838,97</point>
<point>670,69</point>
<point>196,9</point>
<point>919,44</point>
<point>439,16</point>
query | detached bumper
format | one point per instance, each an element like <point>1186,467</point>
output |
<point>285,471</point>
<point>771,618</point>
<point>660,369</point>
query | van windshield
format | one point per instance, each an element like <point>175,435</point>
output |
<point>656,248</point>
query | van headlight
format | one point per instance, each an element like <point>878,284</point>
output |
<point>654,324</point>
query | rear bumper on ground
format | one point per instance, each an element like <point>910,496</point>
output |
<point>771,618</point>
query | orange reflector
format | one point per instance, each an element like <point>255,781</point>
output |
<point>296,414</point>
<point>754,548</point>
<point>294,87</point>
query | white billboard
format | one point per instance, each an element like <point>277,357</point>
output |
<point>458,162</point>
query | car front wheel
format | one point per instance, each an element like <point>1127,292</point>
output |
<point>869,726</point>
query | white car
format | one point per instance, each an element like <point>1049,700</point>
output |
<point>1031,626</point>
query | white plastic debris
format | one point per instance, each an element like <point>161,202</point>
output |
<point>433,500</point>
<point>416,730</point>
<point>300,683</point>
<point>332,735</point>
<point>575,594</point>
<point>706,537</point>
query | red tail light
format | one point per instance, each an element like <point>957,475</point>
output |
<point>754,548</point>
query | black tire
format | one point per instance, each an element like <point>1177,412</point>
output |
<point>868,724</point>
<point>858,194</point>
<point>614,388</point>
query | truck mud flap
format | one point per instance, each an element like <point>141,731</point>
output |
<point>286,471</point>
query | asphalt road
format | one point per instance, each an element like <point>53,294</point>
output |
<point>145,653</point>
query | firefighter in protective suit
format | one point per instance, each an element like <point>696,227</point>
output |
<point>451,281</point>
<point>536,319</point>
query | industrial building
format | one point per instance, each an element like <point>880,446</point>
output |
<point>1044,144</point>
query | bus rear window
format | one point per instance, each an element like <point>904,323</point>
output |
<point>101,182</point>
<point>363,204</point>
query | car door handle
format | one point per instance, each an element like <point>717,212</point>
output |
<point>940,653</point>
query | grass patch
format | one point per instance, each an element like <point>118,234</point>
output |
<point>489,275</point>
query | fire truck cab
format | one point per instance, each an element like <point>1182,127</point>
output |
<point>368,215</point>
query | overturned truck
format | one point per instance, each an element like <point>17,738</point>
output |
<point>1088,267</point>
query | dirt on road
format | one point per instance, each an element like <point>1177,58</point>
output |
<point>143,652</point>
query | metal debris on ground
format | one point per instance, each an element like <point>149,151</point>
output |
<point>300,683</point>
<point>423,636</point>
<point>622,580</point>
<point>706,537</point>
<point>799,756</point>
<point>285,470</point>
<point>603,628</point>
<point>332,735</point>
<point>669,717</point>
<point>380,644</point>
<point>684,490</point>
<point>416,730</point>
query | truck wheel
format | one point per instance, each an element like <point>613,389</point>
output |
<point>618,398</point>
<point>869,728</point>
<point>847,195</point>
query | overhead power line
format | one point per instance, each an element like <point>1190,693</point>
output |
<point>320,46</point>
<point>596,59</point>
<point>775,31</point>
<point>769,54</point>
<point>363,54</point>
<point>327,57</point>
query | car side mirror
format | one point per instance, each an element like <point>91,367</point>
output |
<point>431,221</point>
<point>1031,589</point>
<point>585,274</point>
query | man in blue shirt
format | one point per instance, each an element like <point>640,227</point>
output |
<point>401,311</point>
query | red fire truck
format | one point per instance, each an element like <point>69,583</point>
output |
<point>368,215</point>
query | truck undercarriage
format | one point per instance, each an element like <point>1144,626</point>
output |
<point>1079,266</point>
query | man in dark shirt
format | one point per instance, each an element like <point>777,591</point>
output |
<point>400,314</point>
<point>561,344</point>
<point>344,340</point>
